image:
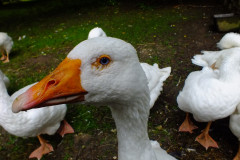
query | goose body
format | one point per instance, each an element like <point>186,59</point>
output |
<point>31,123</point>
<point>211,95</point>
<point>6,44</point>
<point>210,103</point>
<point>104,71</point>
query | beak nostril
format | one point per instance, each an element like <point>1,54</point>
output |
<point>50,83</point>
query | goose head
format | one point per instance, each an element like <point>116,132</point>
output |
<point>99,71</point>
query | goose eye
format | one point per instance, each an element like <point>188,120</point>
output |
<point>104,60</point>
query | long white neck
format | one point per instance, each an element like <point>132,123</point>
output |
<point>3,89</point>
<point>5,103</point>
<point>131,121</point>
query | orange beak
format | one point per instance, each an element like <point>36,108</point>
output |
<point>63,85</point>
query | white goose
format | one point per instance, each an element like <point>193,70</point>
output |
<point>33,123</point>
<point>6,44</point>
<point>212,59</point>
<point>234,125</point>
<point>155,75</point>
<point>103,71</point>
<point>211,95</point>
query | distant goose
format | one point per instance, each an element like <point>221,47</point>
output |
<point>32,123</point>
<point>6,44</point>
<point>210,95</point>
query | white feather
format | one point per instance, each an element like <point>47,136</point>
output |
<point>96,32</point>
<point>155,77</point>
<point>211,95</point>
<point>229,40</point>
<point>208,58</point>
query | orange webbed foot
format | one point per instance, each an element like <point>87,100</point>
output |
<point>187,125</point>
<point>6,60</point>
<point>205,139</point>
<point>43,149</point>
<point>65,128</point>
<point>3,58</point>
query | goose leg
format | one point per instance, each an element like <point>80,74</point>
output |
<point>7,58</point>
<point>3,56</point>
<point>65,128</point>
<point>187,125</point>
<point>43,149</point>
<point>237,157</point>
<point>205,140</point>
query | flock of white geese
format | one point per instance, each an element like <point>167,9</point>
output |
<point>105,71</point>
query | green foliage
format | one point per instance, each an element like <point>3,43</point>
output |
<point>152,60</point>
<point>66,157</point>
<point>12,139</point>
<point>89,118</point>
<point>82,118</point>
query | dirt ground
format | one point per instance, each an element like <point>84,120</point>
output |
<point>190,38</point>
